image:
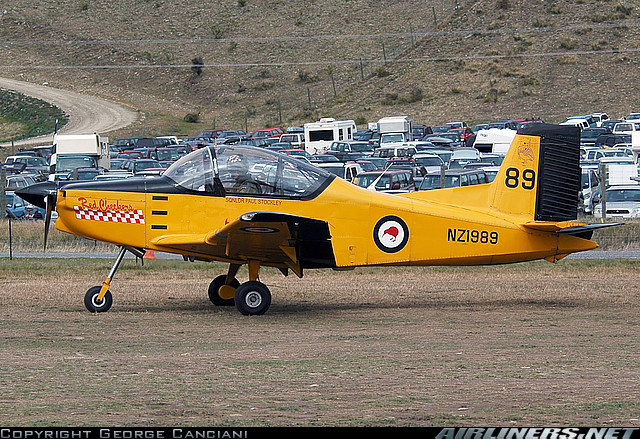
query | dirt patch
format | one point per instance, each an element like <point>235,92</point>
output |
<point>526,344</point>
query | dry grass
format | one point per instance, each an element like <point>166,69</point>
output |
<point>526,344</point>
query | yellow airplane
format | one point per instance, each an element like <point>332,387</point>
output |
<point>250,206</point>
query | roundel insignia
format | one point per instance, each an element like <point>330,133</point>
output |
<point>391,234</point>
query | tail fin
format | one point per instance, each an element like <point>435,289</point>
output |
<point>540,176</point>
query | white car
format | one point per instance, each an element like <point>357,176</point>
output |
<point>621,202</point>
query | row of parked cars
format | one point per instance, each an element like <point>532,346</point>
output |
<point>443,156</point>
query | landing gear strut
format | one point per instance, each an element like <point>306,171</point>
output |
<point>99,298</point>
<point>250,298</point>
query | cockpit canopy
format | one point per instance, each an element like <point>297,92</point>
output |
<point>244,170</point>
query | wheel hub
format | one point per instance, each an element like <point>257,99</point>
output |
<point>253,299</point>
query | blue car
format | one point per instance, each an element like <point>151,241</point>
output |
<point>15,205</point>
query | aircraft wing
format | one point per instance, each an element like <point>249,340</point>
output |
<point>275,239</point>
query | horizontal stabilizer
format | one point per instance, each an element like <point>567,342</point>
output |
<point>568,227</point>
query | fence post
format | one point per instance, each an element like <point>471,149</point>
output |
<point>603,190</point>
<point>3,194</point>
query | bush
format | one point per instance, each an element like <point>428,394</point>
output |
<point>192,117</point>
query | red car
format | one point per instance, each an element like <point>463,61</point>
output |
<point>267,132</point>
<point>465,133</point>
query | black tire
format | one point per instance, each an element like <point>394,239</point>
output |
<point>91,303</point>
<point>214,288</point>
<point>252,298</point>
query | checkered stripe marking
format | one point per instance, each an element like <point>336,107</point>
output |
<point>132,217</point>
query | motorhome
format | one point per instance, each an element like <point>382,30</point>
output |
<point>494,140</point>
<point>318,136</point>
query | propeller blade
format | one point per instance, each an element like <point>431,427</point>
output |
<point>50,201</point>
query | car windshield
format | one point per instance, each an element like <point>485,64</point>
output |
<point>247,170</point>
<point>167,154</point>
<point>614,195</point>
<point>429,161</point>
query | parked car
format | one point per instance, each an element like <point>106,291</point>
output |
<point>389,181</point>
<point>464,132</point>
<point>295,139</point>
<point>440,129</point>
<point>610,140</point>
<point>480,126</point>
<point>504,124</point>
<point>350,150</point>
<point>418,131</point>
<point>135,166</point>
<point>588,136</point>
<point>395,151</point>
<point>597,154</point>
<point>462,156</point>
<point>24,163</point>
<point>457,124</point>
<point>19,181</point>
<point>85,173</point>
<point>323,158</point>
<point>621,201</point>
<point>346,171</point>
<point>267,132</point>
<point>626,127</point>
<point>209,135</point>
<point>610,123</point>
<point>430,161</point>
<point>15,205</point>
<point>455,136</point>
<point>453,178</point>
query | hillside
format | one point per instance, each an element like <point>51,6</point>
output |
<point>273,62</point>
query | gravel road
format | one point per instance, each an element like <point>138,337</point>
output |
<point>87,114</point>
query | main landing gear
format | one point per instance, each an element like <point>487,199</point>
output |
<point>250,298</point>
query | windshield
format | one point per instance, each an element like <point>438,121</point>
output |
<point>68,164</point>
<point>429,161</point>
<point>386,138</point>
<point>247,170</point>
<point>167,154</point>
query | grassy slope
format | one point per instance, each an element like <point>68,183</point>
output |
<point>550,87</point>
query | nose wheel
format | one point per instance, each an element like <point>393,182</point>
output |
<point>94,303</point>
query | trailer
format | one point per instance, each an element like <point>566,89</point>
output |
<point>318,136</point>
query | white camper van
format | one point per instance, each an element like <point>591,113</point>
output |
<point>494,140</point>
<point>318,136</point>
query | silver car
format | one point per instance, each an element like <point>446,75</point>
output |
<point>621,202</point>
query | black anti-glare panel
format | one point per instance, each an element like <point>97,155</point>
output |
<point>559,171</point>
